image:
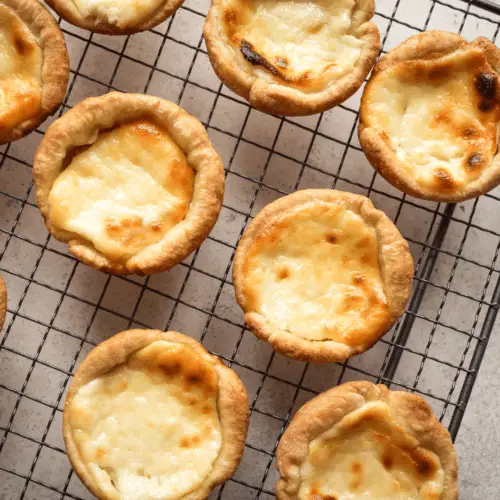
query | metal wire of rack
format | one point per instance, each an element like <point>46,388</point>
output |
<point>59,309</point>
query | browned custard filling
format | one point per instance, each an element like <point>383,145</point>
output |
<point>20,71</point>
<point>367,456</point>
<point>124,191</point>
<point>149,429</point>
<point>306,44</point>
<point>440,118</point>
<point>315,273</point>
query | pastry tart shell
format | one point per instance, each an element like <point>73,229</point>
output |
<point>278,98</point>
<point>55,66</point>
<point>425,48</point>
<point>410,412</point>
<point>232,403</point>
<point>81,126</point>
<point>394,260</point>
<point>69,12</point>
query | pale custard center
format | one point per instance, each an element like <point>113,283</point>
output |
<point>149,429</point>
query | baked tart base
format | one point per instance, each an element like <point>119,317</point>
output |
<point>292,58</point>
<point>153,414</point>
<point>131,182</point>
<point>34,68</point>
<point>321,275</point>
<point>362,440</point>
<point>430,114</point>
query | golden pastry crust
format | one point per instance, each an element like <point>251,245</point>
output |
<point>410,412</point>
<point>70,13</point>
<point>394,261</point>
<point>232,403</point>
<point>55,65</point>
<point>81,126</point>
<point>273,91</point>
<point>435,59</point>
<point>3,302</point>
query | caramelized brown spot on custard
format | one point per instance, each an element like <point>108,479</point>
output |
<point>157,227</point>
<point>364,242</point>
<point>424,465</point>
<point>22,46</point>
<point>368,259</point>
<point>358,279</point>
<point>470,133</point>
<point>230,16</point>
<point>387,462</point>
<point>474,161</point>
<point>332,238</point>
<point>442,117</point>
<point>357,468</point>
<point>316,495</point>
<point>171,369</point>
<point>441,72</point>
<point>193,378</point>
<point>443,178</point>
<point>277,69</point>
<point>184,442</point>
<point>486,85</point>
<point>486,106</point>
<point>283,273</point>
<point>385,137</point>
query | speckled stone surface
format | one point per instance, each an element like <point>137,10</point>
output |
<point>478,440</point>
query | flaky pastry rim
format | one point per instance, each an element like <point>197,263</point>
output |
<point>426,46</point>
<point>271,97</point>
<point>232,403</point>
<point>410,411</point>
<point>70,13</point>
<point>81,125</point>
<point>395,262</point>
<point>55,62</point>
<point>3,302</point>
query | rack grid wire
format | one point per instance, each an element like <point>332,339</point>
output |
<point>59,309</point>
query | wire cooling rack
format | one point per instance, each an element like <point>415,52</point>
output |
<point>59,309</point>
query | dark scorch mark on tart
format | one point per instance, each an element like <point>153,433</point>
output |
<point>475,160</point>
<point>486,86</point>
<point>256,59</point>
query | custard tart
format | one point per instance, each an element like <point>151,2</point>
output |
<point>115,17</point>
<point>153,416</point>
<point>321,275</point>
<point>362,441</point>
<point>34,67</point>
<point>430,115</point>
<point>131,182</point>
<point>292,57</point>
